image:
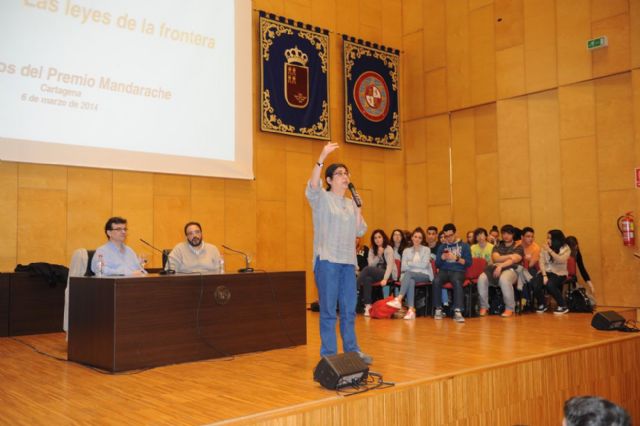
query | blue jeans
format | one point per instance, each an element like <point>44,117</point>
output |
<point>408,285</point>
<point>336,283</point>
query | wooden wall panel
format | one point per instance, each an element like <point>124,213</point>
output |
<point>607,9</point>
<point>171,210</point>
<point>415,146</point>
<point>391,21</point>
<point>396,203</point>
<point>42,225</point>
<point>509,23</point>
<point>413,102</point>
<point>545,161</point>
<point>486,129</point>
<point>540,54</point>
<point>457,48</point>
<point>9,209</point>
<point>580,200</point>
<point>416,194</point>
<point>207,208</point>
<point>373,180</point>
<point>573,29</point>
<point>270,172</point>
<point>412,16</point>
<point>515,211</point>
<point>620,288</point>
<point>241,232</point>
<point>270,230</point>
<point>634,32</point>
<point>487,189</point>
<point>510,77</point>
<point>616,57</point>
<point>577,110</point>
<point>438,216</point>
<point>89,205</point>
<point>438,171</point>
<point>435,91</point>
<point>614,130</point>
<point>482,65</point>
<point>434,32</point>
<point>463,158</point>
<point>513,148</point>
<point>133,200</point>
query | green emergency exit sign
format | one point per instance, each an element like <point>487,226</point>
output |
<point>597,43</point>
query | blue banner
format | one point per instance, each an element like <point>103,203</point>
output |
<point>294,78</point>
<point>371,82</point>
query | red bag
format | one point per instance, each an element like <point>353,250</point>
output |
<point>381,310</point>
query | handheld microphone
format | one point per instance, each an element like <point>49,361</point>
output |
<point>166,270</point>
<point>247,267</point>
<point>355,195</point>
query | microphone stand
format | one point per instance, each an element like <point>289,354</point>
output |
<point>247,267</point>
<point>166,269</point>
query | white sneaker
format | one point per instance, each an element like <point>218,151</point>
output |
<point>367,308</point>
<point>438,314</point>
<point>411,315</point>
<point>457,316</point>
<point>395,303</point>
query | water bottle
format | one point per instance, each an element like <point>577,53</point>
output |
<point>221,264</point>
<point>100,266</point>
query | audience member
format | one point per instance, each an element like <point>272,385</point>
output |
<point>115,257</point>
<point>506,256</point>
<point>194,255</point>
<point>381,267</point>
<point>594,411</point>
<point>577,255</point>
<point>471,238</point>
<point>493,235</point>
<point>531,248</point>
<point>553,271</point>
<point>362,254</point>
<point>398,242</point>
<point>482,248</point>
<point>452,259</point>
<point>433,241</point>
<point>416,267</point>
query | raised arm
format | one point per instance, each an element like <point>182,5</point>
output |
<point>317,168</point>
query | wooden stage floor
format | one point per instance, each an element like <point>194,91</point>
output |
<point>271,386</point>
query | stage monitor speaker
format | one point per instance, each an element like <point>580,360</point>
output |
<point>336,371</point>
<point>608,320</point>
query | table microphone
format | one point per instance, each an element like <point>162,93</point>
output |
<point>247,267</point>
<point>165,270</point>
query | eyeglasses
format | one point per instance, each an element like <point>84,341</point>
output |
<point>448,235</point>
<point>341,174</point>
<point>120,229</point>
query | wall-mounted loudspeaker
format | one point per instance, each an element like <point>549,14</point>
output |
<point>336,371</point>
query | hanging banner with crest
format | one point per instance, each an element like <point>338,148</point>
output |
<point>294,78</point>
<point>371,82</point>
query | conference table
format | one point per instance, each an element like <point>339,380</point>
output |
<point>126,323</point>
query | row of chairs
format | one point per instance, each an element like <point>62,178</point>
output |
<point>470,284</point>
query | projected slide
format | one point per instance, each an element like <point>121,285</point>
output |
<point>152,85</point>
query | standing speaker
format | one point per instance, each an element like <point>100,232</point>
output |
<point>336,371</point>
<point>608,320</point>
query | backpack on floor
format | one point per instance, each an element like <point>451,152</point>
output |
<point>578,301</point>
<point>381,310</point>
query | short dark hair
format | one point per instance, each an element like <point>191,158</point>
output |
<point>594,411</point>
<point>116,220</point>
<point>191,223</point>
<point>329,171</point>
<point>479,231</point>
<point>509,229</point>
<point>449,227</point>
<point>432,228</point>
<point>528,229</point>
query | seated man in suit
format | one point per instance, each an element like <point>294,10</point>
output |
<point>115,257</point>
<point>194,255</point>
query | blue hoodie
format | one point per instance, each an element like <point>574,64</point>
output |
<point>459,249</point>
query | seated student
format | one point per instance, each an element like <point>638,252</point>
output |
<point>381,267</point>
<point>531,257</point>
<point>471,238</point>
<point>482,248</point>
<point>553,271</point>
<point>115,257</point>
<point>577,255</point>
<point>433,240</point>
<point>506,256</point>
<point>362,254</point>
<point>194,255</point>
<point>594,411</point>
<point>493,235</point>
<point>416,267</point>
<point>398,242</point>
<point>453,258</point>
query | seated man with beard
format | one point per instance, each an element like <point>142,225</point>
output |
<point>194,255</point>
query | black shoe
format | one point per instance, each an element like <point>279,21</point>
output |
<point>561,310</point>
<point>541,309</point>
